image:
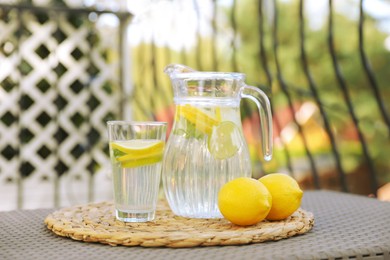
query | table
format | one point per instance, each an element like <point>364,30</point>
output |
<point>346,227</point>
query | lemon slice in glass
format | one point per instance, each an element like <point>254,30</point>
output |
<point>135,153</point>
<point>138,146</point>
<point>225,140</point>
<point>142,161</point>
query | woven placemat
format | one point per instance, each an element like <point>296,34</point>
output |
<point>97,223</point>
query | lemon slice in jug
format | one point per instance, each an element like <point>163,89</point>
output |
<point>203,121</point>
<point>225,140</point>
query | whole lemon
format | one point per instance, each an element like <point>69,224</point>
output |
<point>244,201</point>
<point>286,195</point>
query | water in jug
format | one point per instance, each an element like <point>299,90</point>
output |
<point>206,147</point>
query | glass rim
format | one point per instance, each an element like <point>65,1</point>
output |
<point>138,123</point>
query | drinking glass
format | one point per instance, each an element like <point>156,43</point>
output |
<point>136,153</point>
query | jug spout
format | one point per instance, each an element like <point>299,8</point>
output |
<point>177,68</point>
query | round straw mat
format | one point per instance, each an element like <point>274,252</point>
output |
<point>97,223</point>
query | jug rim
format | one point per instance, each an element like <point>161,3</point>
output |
<point>207,75</point>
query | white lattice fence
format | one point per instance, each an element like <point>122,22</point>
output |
<point>59,85</point>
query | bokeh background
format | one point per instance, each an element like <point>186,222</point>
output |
<point>69,66</point>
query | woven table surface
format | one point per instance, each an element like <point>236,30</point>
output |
<point>96,222</point>
<point>346,227</point>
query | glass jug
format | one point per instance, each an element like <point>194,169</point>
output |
<point>206,147</point>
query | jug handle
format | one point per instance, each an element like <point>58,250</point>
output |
<point>264,106</point>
